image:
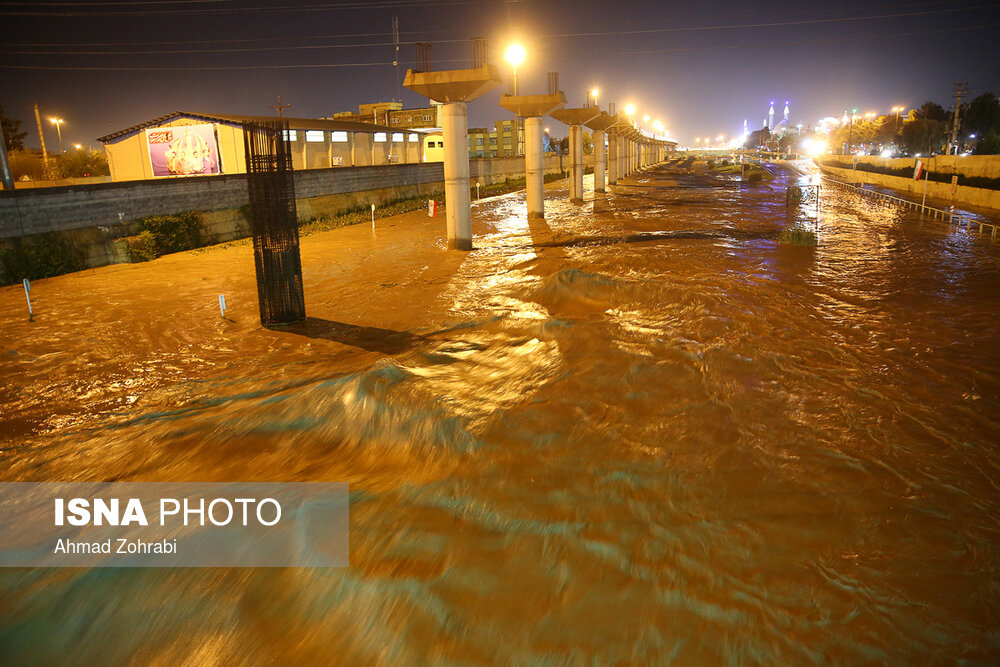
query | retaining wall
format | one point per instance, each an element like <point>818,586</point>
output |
<point>941,191</point>
<point>983,166</point>
<point>93,216</point>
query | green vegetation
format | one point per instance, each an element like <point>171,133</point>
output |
<point>27,164</point>
<point>798,236</point>
<point>164,234</point>
<point>359,214</point>
<point>40,256</point>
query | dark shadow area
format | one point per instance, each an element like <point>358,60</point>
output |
<point>373,339</point>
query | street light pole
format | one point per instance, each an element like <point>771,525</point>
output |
<point>850,132</point>
<point>58,123</point>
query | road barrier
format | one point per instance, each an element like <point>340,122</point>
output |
<point>937,213</point>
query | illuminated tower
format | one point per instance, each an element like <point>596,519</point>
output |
<point>786,112</point>
<point>770,116</point>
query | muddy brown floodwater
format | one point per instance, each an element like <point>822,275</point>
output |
<point>641,432</point>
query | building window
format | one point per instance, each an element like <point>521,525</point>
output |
<point>397,136</point>
<point>315,136</point>
<point>414,137</point>
<point>290,135</point>
<point>394,121</point>
<point>427,118</point>
<point>440,144</point>
<point>380,137</point>
<point>479,141</point>
<point>338,136</point>
<point>493,141</point>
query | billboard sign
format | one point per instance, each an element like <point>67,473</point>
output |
<point>183,150</point>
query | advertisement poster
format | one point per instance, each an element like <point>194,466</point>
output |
<point>185,150</point>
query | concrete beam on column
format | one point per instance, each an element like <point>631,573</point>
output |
<point>532,108</point>
<point>575,118</point>
<point>455,88</point>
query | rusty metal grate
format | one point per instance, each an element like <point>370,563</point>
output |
<point>273,222</point>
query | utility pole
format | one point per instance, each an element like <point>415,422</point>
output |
<point>41,137</point>
<point>395,59</point>
<point>959,91</point>
<point>6,178</point>
<point>279,106</point>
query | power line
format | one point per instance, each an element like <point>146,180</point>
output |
<point>375,4</point>
<point>727,47</point>
<point>742,26</point>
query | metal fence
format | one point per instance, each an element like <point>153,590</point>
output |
<point>937,213</point>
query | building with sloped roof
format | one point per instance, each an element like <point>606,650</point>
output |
<point>184,144</point>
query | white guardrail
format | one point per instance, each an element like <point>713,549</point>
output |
<point>940,214</point>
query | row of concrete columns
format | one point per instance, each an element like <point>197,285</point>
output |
<point>628,149</point>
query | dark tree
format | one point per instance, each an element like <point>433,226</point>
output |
<point>981,117</point>
<point>931,111</point>
<point>758,138</point>
<point>924,135</point>
<point>14,139</point>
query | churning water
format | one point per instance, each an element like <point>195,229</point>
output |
<point>642,432</point>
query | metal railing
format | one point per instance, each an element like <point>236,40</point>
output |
<point>937,213</point>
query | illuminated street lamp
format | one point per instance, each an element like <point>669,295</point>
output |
<point>895,125</point>
<point>850,131</point>
<point>515,56</point>
<point>645,119</point>
<point>629,109</point>
<point>593,94</point>
<point>77,146</point>
<point>58,123</point>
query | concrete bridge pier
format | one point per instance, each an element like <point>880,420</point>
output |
<point>599,125</point>
<point>612,158</point>
<point>576,164</point>
<point>532,108</point>
<point>458,204</point>
<point>575,118</point>
<point>599,165</point>
<point>455,88</point>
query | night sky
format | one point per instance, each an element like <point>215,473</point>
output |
<point>699,67</point>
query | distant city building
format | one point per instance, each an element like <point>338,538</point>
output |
<point>392,114</point>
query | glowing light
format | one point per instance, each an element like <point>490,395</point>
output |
<point>77,146</point>
<point>515,54</point>
<point>645,119</point>
<point>814,147</point>
<point>887,152</point>
<point>594,92</point>
<point>629,109</point>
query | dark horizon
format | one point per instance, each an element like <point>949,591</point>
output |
<point>701,70</point>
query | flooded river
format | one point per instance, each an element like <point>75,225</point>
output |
<point>642,432</point>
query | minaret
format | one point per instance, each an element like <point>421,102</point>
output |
<point>745,132</point>
<point>770,116</point>
<point>786,112</point>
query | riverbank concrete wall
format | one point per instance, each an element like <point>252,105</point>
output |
<point>970,166</point>
<point>92,217</point>
<point>968,196</point>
